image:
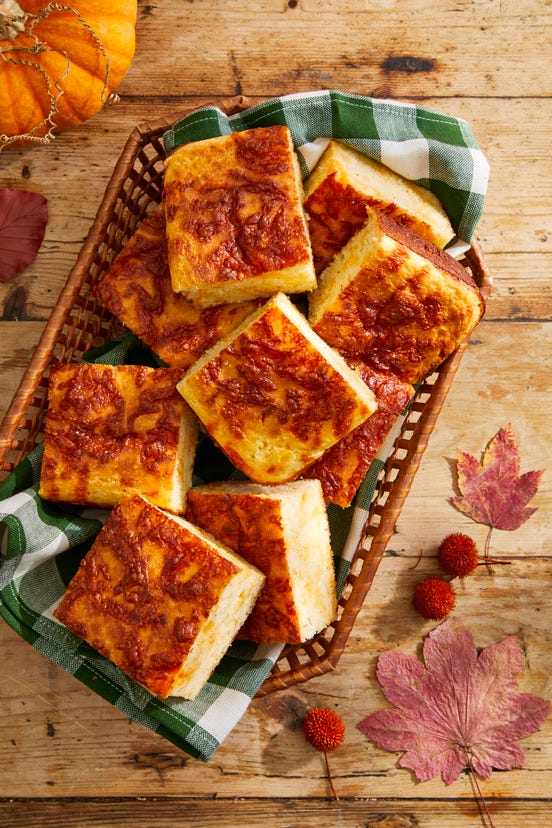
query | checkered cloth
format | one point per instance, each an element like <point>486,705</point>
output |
<point>43,543</point>
<point>434,150</point>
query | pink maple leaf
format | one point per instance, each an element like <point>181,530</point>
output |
<point>493,492</point>
<point>459,710</point>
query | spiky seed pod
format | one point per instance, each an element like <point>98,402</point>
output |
<point>324,730</point>
<point>434,598</point>
<point>458,554</point>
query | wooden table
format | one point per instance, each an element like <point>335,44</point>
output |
<point>68,757</point>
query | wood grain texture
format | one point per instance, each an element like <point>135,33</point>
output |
<point>71,759</point>
<point>181,813</point>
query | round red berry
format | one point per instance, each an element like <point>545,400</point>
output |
<point>434,598</point>
<point>458,554</point>
<point>323,728</point>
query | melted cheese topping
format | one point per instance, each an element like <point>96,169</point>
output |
<point>235,223</point>
<point>282,530</point>
<point>137,290</point>
<point>274,396</point>
<point>342,467</point>
<point>148,590</point>
<point>345,183</point>
<point>394,301</point>
<point>115,429</point>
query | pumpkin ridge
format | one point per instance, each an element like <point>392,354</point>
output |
<point>13,94</point>
<point>100,45</point>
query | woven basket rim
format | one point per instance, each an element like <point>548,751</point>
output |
<point>139,135</point>
<point>372,544</point>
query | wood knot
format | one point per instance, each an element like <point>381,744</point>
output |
<point>14,306</point>
<point>407,64</point>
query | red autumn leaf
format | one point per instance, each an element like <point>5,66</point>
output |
<point>459,710</point>
<point>494,492</point>
<point>23,219</point>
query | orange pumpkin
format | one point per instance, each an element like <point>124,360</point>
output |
<point>59,63</point>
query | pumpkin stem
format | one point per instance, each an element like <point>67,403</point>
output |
<point>12,19</point>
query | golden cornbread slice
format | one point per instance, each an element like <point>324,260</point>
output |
<point>283,531</point>
<point>159,597</point>
<point>236,229</point>
<point>395,301</point>
<point>116,429</point>
<point>273,395</point>
<point>137,289</point>
<point>345,182</point>
<point>342,468</point>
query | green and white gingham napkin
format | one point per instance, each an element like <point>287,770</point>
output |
<point>42,543</point>
<point>434,150</point>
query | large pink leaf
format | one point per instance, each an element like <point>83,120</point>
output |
<point>459,709</point>
<point>493,492</point>
<point>23,219</point>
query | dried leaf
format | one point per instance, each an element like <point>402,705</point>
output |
<point>494,492</point>
<point>459,710</point>
<point>23,219</point>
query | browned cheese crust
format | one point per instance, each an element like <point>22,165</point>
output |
<point>271,401</point>
<point>111,429</point>
<point>342,468</point>
<point>143,592</point>
<point>423,247</point>
<point>339,192</point>
<point>336,211</point>
<point>234,212</point>
<point>137,289</point>
<point>252,527</point>
<point>405,304</point>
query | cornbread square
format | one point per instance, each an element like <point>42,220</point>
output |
<point>137,289</point>
<point>395,301</point>
<point>236,229</point>
<point>273,395</point>
<point>117,429</point>
<point>283,530</point>
<point>159,598</point>
<point>342,468</point>
<point>345,182</point>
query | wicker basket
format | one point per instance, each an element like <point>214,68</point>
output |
<point>77,324</point>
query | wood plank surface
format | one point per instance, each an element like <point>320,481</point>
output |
<point>70,758</point>
<point>180,813</point>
